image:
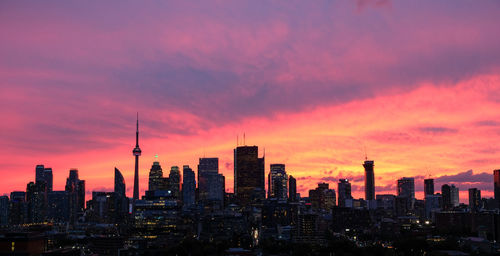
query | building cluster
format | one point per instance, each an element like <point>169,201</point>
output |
<point>191,205</point>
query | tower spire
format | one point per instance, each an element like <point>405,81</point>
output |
<point>137,132</point>
<point>136,152</point>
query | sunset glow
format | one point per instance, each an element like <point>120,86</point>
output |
<point>318,86</point>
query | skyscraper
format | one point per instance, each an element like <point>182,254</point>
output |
<point>120,187</point>
<point>174,180</point>
<point>44,175</point>
<point>210,183</point>
<point>446,197</point>
<point>292,188</point>
<point>18,208</point>
<point>206,167</point>
<point>156,180</point>
<point>249,176</point>
<point>344,192</point>
<point>277,182</point>
<point>136,152</point>
<point>322,198</point>
<point>36,198</point>
<point>454,196</point>
<point>4,210</point>
<point>188,186</point>
<point>406,187</point>
<point>369,180</point>
<point>474,199</point>
<point>76,192</point>
<point>39,173</point>
<point>496,180</point>
<point>429,187</point>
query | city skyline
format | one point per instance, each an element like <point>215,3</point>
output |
<point>412,87</point>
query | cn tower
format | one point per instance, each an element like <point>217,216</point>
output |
<point>137,152</point>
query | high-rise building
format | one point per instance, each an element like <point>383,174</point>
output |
<point>249,184</point>
<point>188,187</point>
<point>369,180</point>
<point>454,196</point>
<point>496,182</point>
<point>156,180</point>
<point>322,198</point>
<point>39,173</point>
<point>58,206</point>
<point>292,189</point>
<point>43,174</point>
<point>429,187</point>
<point>36,198</point>
<point>211,184</point>
<point>136,152</point>
<point>18,208</point>
<point>206,167</point>
<point>474,199</point>
<point>406,188</point>
<point>120,187</point>
<point>277,182</point>
<point>4,210</point>
<point>49,179</point>
<point>344,192</point>
<point>446,197</point>
<point>76,192</point>
<point>174,180</point>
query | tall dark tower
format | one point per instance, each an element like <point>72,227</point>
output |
<point>369,180</point>
<point>137,152</point>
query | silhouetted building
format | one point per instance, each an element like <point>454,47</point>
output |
<point>369,180</point>
<point>188,187</point>
<point>174,180</point>
<point>76,191</point>
<point>496,179</point>
<point>44,175</point>
<point>322,198</point>
<point>344,193</point>
<point>432,204</point>
<point>454,196</point>
<point>156,180</point>
<point>428,187</point>
<point>4,210</point>
<point>58,206</point>
<point>120,187</point>
<point>474,199</point>
<point>36,199</point>
<point>206,166</point>
<point>292,189</point>
<point>18,208</point>
<point>277,182</point>
<point>406,187</point>
<point>106,207</point>
<point>39,175</point>
<point>249,184</point>
<point>446,197</point>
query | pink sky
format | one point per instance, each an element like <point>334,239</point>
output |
<point>417,85</point>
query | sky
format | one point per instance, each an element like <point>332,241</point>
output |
<point>414,86</point>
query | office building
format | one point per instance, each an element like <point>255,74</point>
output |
<point>474,199</point>
<point>188,187</point>
<point>277,182</point>
<point>292,189</point>
<point>174,180</point>
<point>344,192</point>
<point>249,184</point>
<point>369,180</point>
<point>428,187</point>
<point>120,187</point>
<point>406,187</point>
